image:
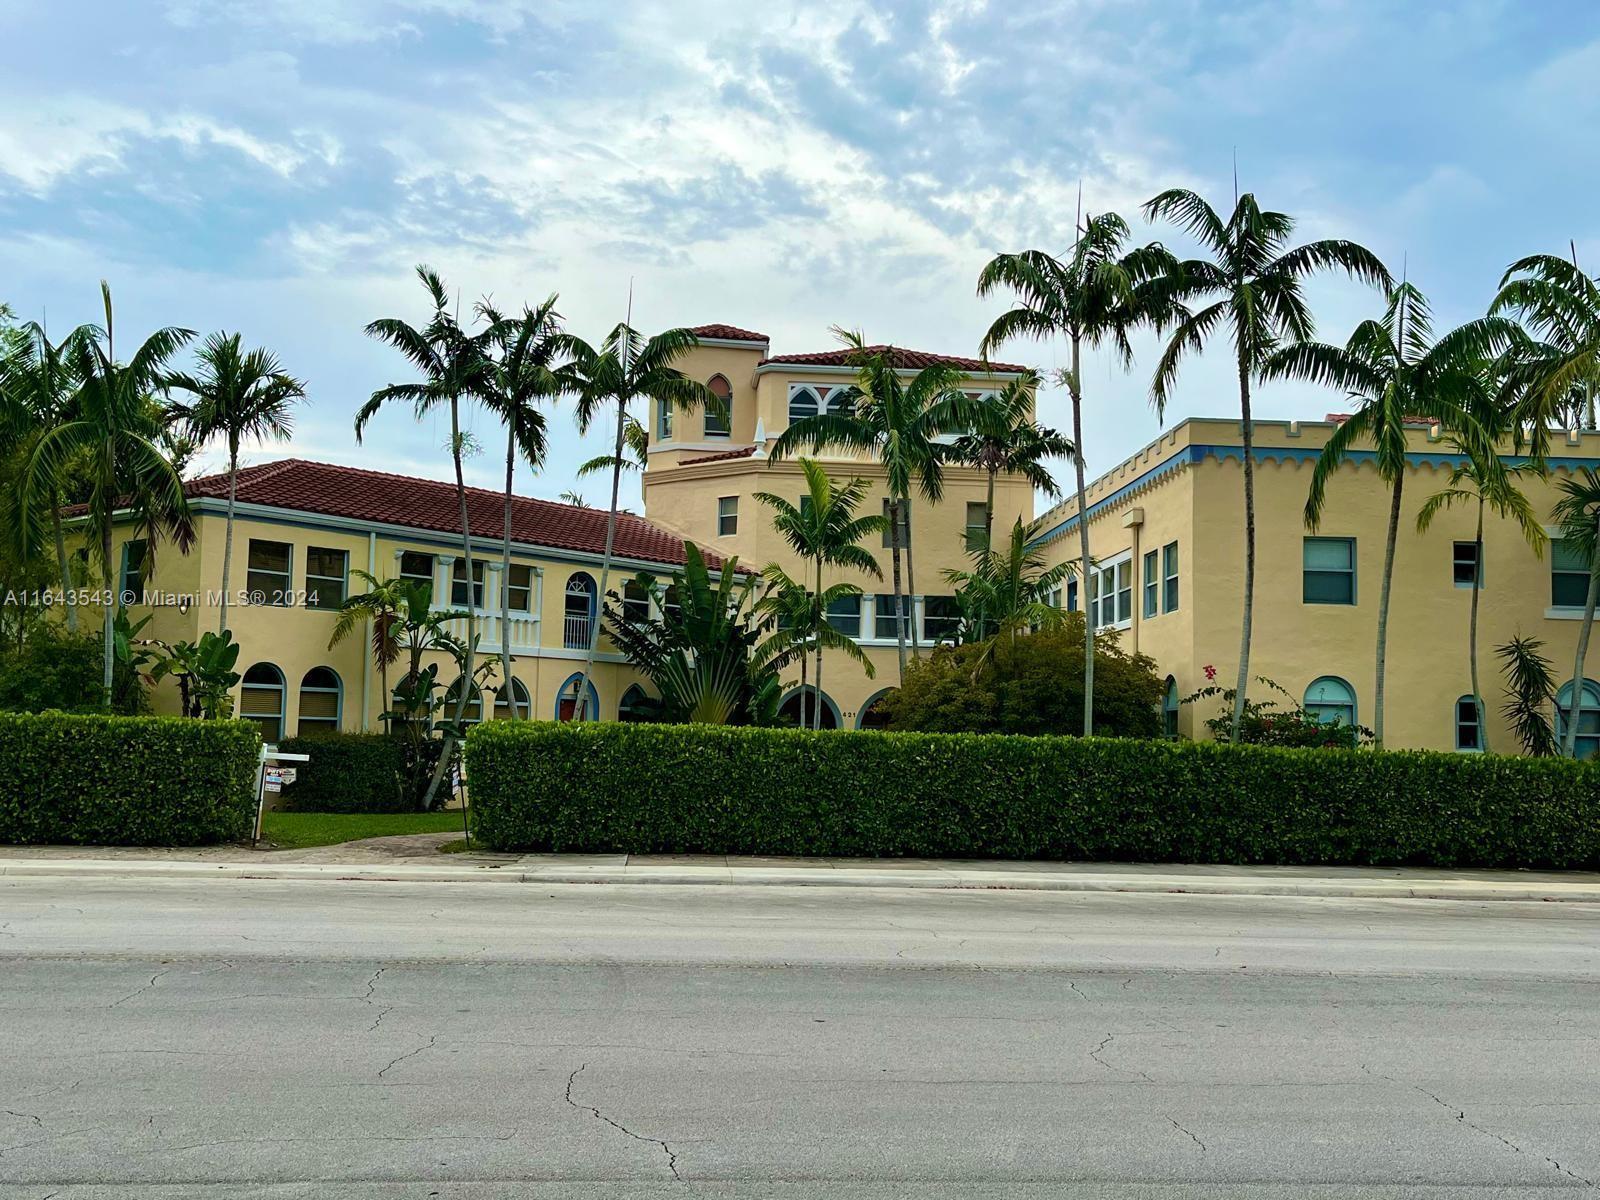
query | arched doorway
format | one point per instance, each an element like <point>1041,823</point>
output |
<point>872,714</point>
<point>799,707</point>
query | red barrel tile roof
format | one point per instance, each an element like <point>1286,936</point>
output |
<point>729,333</point>
<point>905,360</point>
<point>431,504</point>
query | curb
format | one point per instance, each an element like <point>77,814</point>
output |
<point>834,877</point>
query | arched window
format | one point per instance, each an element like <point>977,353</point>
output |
<point>578,622</point>
<point>1468,734</point>
<point>842,401</point>
<point>872,714</point>
<point>634,706</point>
<point>803,402</point>
<point>1588,741</point>
<point>473,713</point>
<point>567,700</point>
<point>503,697</point>
<point>719,424</point>
<point>261,700</point>
<point>321,695</point>
<point>1169,708</point>
<point>799,706</point>
<point>1330,700</point>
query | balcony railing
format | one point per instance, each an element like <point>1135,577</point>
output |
<point>575,631</point>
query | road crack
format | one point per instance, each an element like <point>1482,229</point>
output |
<point>1187,1134</point>
<point>141,989</point>
<point>672,1157</point>
<point>394,1062</point>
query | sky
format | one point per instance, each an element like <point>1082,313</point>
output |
<point>279,169</point>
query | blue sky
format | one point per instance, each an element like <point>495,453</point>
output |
<point>279,168</point>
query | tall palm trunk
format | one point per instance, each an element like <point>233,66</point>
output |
<point>1569,744</point>
<point>227,541</point>
<point>911,582</point>
<point>1249,548</point>
<point>899,607</point>
<point>61,566</point>
<point>805,661</point>
<point>1076,393</point>
<point>580,709</point>
<point>447,755</point>
<point>505,574</point>
<point>1472,635</point>
<point>988,510</point>
<point>109,615</point>
<point>1383,608</point>
<point>822,617</point>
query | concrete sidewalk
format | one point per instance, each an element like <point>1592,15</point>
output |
<point>416,859</point>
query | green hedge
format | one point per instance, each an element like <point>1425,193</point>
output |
<point>718,790</point>
<point>125,781</point>
<point>348,773</point>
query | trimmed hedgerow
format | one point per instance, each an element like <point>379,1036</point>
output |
<point>348,773</point>
<point>717,790</point>
<point>125,781</point>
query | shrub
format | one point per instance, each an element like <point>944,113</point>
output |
<point>55,670</point>
<point>129,781</point>
<point>1031,684</point>
<point>1263,723</point>
<point>349,773</point>
<point>694,789</point>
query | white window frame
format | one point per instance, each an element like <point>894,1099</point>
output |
<point>1472,702</point>
<point>431,578</point>
<point>320,723</point>
<point>709,416</point>
<point>727,516</point>
<point>512,588</point>
<point>284,591</point>
<point>1097,594</point>
<point>1150,585</point>
<point>124,570</point>
<point>1561,612</point>
<point>314,582</point>
<point>1171,597</point>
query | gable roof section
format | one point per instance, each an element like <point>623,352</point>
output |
<point>430,504</point>
<point>903,359</point>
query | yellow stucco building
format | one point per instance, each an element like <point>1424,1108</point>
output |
<point>1166,528</point>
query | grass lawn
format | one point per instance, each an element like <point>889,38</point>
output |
<point>298,830</point>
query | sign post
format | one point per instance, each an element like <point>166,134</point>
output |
<point>281,775</point>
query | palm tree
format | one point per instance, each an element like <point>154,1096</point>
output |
<point>1093,299</point>
<point>898,423</point>
<point>1005,439</point>
<point>117,426</point>
<point>636,444</point>
<point>1483,479</point>
<point>1250,286</point>
<point>1009,590</point>
<point>237,395</point>
<point>40,390</point>
<point>627,367</point>
<point>1578,514</point>
<point>452,365</point>
<point>384,606</point>
<point>1556,377</point>
<point>1397,375</point>
<point>524,374</point>
<point>800,617</point>
<point>825,531</point>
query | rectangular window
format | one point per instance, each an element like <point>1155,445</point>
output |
<point>133,556</point>
<point>1072,595</point>
<point>1329,575</point>
<point>883,616</point>
<point>977,513</point>
<point>326,572</point>
<point>941,618</point>
<point>417,567</point>
<point>890,530</point>
<point>727,516</point>
<point>1467,724</point>
<point>719,416</point>
<point>519,588</point>
<point>1464,566</point>
<point>1169,571</point>
<point>268,576</point>
<point>635,601</point>
<point>458,583</point>
<point>1569,576</point>
<point>1125,590</point>
<point>844,614</point>
<point>1152,584</point>
<point>663,420</point>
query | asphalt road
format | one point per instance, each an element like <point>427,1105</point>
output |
<point>293,1039</point>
